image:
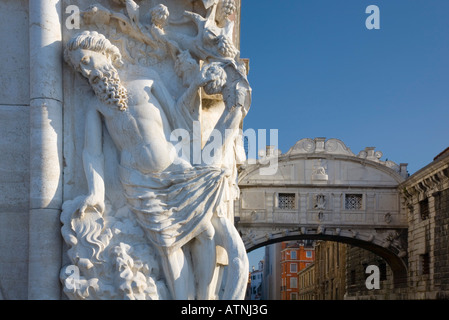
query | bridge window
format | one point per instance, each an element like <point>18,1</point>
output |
<point>287,201</point>
<point>424,209</point>
<point>424,263</point>
<point>353,201</point>
<point>352,277</point>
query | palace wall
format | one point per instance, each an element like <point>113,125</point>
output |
<point>14,148</point>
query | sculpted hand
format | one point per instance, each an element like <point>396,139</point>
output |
<point>91,203</point>
<point>204,78</point>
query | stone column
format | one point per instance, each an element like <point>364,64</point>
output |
<point>45,242</point>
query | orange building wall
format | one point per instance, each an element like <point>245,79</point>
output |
<point>289,291</point>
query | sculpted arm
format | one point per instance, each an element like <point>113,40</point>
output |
<point>201,79</point>
<point>93,161</point>
<point>187,99</point>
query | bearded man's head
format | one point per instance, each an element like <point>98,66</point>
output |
<point>94,56</point>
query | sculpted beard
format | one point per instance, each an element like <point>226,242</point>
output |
<point>108,88</point>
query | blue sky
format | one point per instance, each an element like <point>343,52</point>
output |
<point>317,71</point>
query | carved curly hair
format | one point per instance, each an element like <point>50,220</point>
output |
<point>219,77</point>
<point>92,40</point>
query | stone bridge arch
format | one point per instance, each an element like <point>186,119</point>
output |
<point>391,250</point>
<point>320,190</point>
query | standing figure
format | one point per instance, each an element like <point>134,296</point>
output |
<point>174,202</point>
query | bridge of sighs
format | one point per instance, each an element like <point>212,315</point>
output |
<point>321,190</point>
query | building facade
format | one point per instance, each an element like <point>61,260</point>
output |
<point>330,270</point>
<point>357,273</point>
<point>295,256</point>
<point>256,282</point>
<point>426,199</point>
<point>307,289</point>
<point>271,289</point>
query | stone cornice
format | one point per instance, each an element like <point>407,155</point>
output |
<point>247,169</point>
<point>331,149</point>
<point>432,178</point>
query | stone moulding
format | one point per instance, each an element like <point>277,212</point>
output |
<point>322,150</point>
<point>425,183</point>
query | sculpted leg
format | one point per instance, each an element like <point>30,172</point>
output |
<point>238,268</point>
<point>204,261</point>
<point>178,275</point>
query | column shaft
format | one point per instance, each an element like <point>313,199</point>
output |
<point>46,133</point>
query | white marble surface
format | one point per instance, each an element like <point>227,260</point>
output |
<point>14,149</point>
<point>148,216</point>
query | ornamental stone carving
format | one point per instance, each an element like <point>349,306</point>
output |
<point>155,220</point>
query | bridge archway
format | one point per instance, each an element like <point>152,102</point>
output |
<point>320,190</point>
<point>395,260</point>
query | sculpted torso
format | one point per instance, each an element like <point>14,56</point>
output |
<point>140,132</point>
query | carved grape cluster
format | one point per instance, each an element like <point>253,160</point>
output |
<point>228,7</point>
<point>225,47</point>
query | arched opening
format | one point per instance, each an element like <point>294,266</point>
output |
<point>386,256</point>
